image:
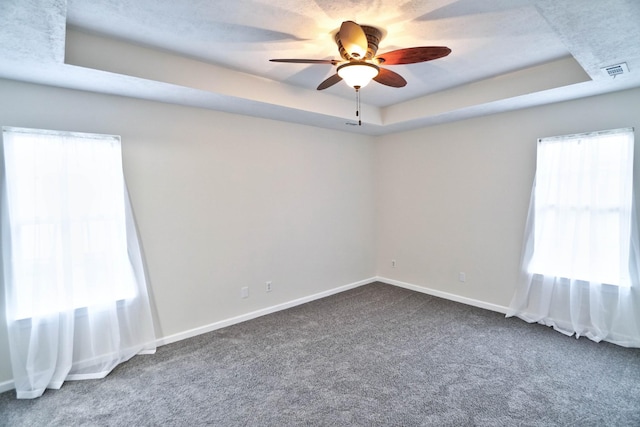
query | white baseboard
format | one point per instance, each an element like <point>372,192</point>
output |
<point>262,312</point>
<point>6,386</point>
<point>445,295</point>
<point>258,313</point>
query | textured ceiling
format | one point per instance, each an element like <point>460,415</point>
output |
<point>489,39</point>
<point>505,54</point>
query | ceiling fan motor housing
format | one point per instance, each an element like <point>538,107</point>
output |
<point>373,40</point>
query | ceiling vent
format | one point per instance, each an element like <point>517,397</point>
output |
<point>615,70</point>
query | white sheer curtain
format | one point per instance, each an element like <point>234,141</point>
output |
<point>74,284</point>
<point>580,259</point>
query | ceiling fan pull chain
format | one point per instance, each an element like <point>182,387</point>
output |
<point>358,115</point>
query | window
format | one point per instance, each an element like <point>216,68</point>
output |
<point>73,276</point>
<point>66,221</point>
<point>582,213</point>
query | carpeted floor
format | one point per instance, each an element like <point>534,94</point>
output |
<point>373,356</point>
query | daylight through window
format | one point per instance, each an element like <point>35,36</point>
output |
<point>582,215</point>
<point>67,229</point>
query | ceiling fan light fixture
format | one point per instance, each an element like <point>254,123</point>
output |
<point>358,74</point>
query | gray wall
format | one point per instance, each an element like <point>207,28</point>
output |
<point>454,198</point>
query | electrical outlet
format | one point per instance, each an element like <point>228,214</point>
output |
<point>393,263</point>
<point>244,292</point>
<point>462,277</point>
<point>268,286</point>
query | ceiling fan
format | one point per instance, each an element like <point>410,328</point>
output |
<point>358,45</point>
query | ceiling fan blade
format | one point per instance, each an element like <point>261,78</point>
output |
<point>308,61</point>
<point>390,78</point>
<point>330,82</point>
<point>353,39</point>
<point>413,55</point>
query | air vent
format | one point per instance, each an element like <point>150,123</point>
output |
<point>616,70</point>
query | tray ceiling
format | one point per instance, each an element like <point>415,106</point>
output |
<point>506,54</point>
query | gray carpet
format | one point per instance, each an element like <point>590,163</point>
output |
<point>373,356</point>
